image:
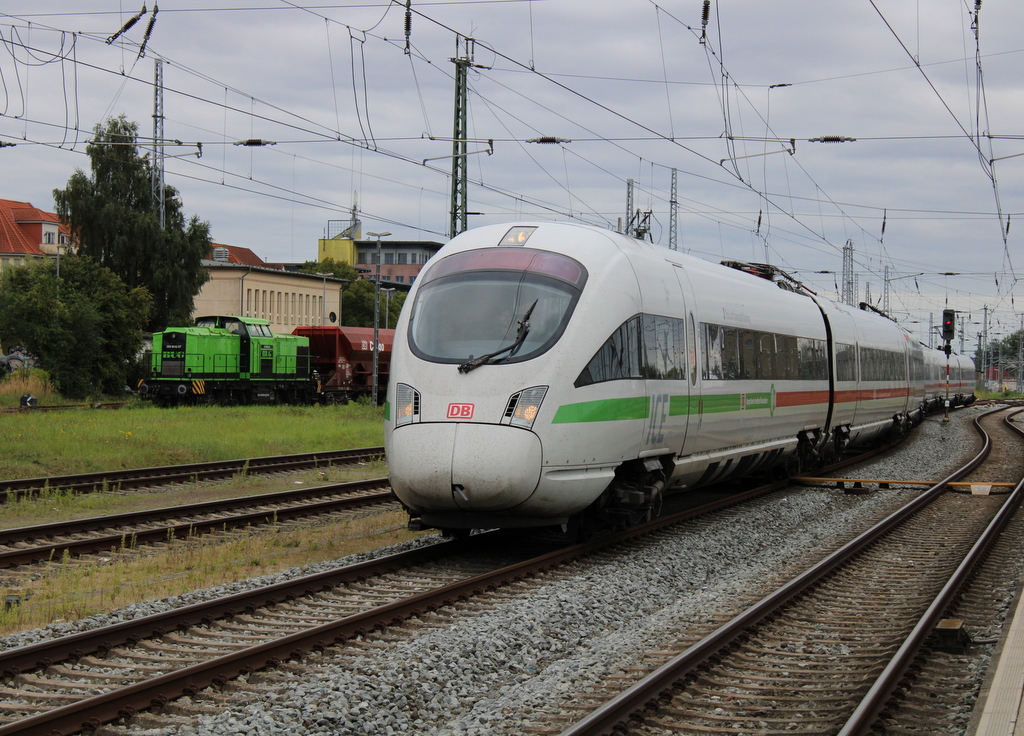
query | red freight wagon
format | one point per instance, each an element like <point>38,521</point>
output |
<point>343,357</point>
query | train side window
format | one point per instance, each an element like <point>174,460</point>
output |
<point>786,358</point>
<point>618,358</point>
<point>730,353</point>
<point>679,357</point>
<point>749,362</point>
<point>813,365</point>
<point>663,348</point>
<point>846,362</point>
<point>713,335</point>
<point>766,358</point>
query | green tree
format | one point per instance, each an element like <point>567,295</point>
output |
<point>357,305</point>
<point>340,269</point>
<point>114,219</point>
<point>84,328</point>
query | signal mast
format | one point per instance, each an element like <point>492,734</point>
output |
<point>948,323</point>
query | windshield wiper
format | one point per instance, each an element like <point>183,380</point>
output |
<point>524,329</point>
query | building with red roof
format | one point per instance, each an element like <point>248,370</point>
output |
<point>27,233</point>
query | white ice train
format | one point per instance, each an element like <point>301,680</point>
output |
<point>559,374</point>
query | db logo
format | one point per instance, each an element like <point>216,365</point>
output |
<point>460,411</point>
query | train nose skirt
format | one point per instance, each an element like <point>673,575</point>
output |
<point>464,467</point>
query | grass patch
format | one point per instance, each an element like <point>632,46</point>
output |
<point>77,589</point>
<point>50,505</point>
<point>137,436</point>
<point>140,435</point>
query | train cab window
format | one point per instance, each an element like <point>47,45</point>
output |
<point>619,357</point>
<point>472,303</point>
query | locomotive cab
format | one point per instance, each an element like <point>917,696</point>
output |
<point>480,331</point>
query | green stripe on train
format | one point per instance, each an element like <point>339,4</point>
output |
<point>605,410</point>
<point>638,407</point>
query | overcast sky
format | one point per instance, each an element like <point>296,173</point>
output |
<point>361,113</point>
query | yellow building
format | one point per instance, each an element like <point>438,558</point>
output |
<point>340,243</point>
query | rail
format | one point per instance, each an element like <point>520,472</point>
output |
<point>646,694</point>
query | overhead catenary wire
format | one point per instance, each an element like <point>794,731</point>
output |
<point>267,114</point>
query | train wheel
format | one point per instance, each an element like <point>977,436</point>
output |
<point>456,533</point>
<point>657,499</point>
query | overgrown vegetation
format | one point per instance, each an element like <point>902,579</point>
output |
<point>32,381</point>
<point>76,589</point>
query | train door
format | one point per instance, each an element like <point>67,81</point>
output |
<point>692,356</point>
<point>664,346</point>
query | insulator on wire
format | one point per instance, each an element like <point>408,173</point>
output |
<point>127,26</point>
<point>408,23</point>
<point>704,16</point>
<point>149,30</point>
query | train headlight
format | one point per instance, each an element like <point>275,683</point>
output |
<point>407,404</point>
<point>522,408</point>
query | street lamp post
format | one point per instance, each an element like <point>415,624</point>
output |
<point>376,316</point>
<point>387,306</point>
<point>323,299</point>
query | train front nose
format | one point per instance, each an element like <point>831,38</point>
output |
<point>463,466</point>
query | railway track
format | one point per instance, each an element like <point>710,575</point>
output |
<point>112,673</point>
<point>836,649</point>
<point>168,474</point>
<point>57,407</point>
<point>129,531</point>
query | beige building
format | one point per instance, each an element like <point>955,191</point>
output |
<point>286,298</point>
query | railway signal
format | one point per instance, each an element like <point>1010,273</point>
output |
<point>948,317</point>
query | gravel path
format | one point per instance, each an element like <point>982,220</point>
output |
<point>499,664</point>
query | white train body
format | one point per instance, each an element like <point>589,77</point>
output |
<point>641,371</point>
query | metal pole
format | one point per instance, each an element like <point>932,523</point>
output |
<point>376,317</point>
<point>323,299</point>
<point>387,307</point>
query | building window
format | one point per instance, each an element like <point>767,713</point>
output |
<point>385,278</point>
<point>48,238</point>
<point>412,279</point>
<point>400,279</point>
<point>64,239</point>
<point>362,259</point>
<point>403,259</point>
<point>389,259</point>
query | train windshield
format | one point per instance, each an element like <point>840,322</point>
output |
<point>471,305</point>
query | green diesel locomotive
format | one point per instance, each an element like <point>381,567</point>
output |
<point>229,360</point>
